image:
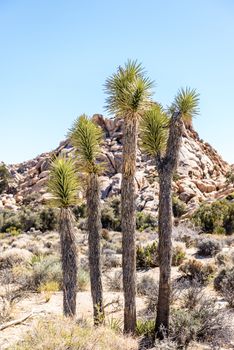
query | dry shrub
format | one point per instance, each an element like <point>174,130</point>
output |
<point>205,323</point>
<point>185,233</point>
<point>106,234</point>
<point>112,260</point>
<point>147,286</point>
<point>196,270</point>
<point>62,334</point>
<point>14,256</point>
<point>209,247</point>
<point>43,269</point>
<point>224,283</point>
<point>9,297</point>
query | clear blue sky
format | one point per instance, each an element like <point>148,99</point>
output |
<point>56,55</point>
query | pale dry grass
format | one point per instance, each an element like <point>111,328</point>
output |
<point>61,334</point>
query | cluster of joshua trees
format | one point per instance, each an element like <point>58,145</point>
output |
<point>159,132</point>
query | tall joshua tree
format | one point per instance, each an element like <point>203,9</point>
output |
<point>87,137</point>
<point>129,92</point>
<point>161,138</point>
<point>63,186</point>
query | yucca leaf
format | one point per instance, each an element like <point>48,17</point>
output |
<point>128,90</point>
<point>186,102</point>
<point>87,138</point>
<point>63,183</point>
<point>154,131</point>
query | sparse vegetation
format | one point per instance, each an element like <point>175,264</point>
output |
<point>224,283</point>
<point>178,207</point>
<point>196,270</point>
<point>62,334</point>
<point>4,177</point>
<point>217,217</point>
<point>208,247</point>
<point>147,256</point>
<point>111,214</point>
<point>145,220</point>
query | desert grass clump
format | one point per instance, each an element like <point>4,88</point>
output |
<point>83,280</point>
<point>115,281</point>
<point>61,334</point>
<point>147,286</point>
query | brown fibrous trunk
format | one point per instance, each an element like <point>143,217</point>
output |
<point>165,252</point>
<point>94,232</point>
<point>128,223</point>
<point>69,261</point>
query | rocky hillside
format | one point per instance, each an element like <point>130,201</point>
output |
<point>200,176</point>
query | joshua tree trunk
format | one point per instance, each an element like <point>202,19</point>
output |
<point>165,247</point>
<point>166,167</point>
<point>128,222</point>
<point>94,229</point>
<point>69,262</point>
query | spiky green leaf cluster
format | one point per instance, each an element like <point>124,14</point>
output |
<point>186,102</point>
<point>128,90</point>
<point>87,138</point>
<point>154,131</point>
<point>63,183</point>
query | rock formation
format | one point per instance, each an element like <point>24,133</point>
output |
<point>200,175</point>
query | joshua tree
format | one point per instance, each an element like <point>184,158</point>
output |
<point>161,138</point>
<point>86,137</point>
<point>63,186</point>
<point>129,92</point>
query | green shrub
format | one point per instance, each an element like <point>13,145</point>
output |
<point>145,328</point>
<point>230,177</point>
<point>48,219</point>
<point>4,178</point>
<point>178,254</point>
<point>217,217</point>
<point>178,207</point>
<point>145,220</point>
<point>80,211</point>
<point>147,257</point>
<point>13,231</point>
<point>110,214</point>
<point>26,218</point>
<point>10,219</point>
<point>29,218</point>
